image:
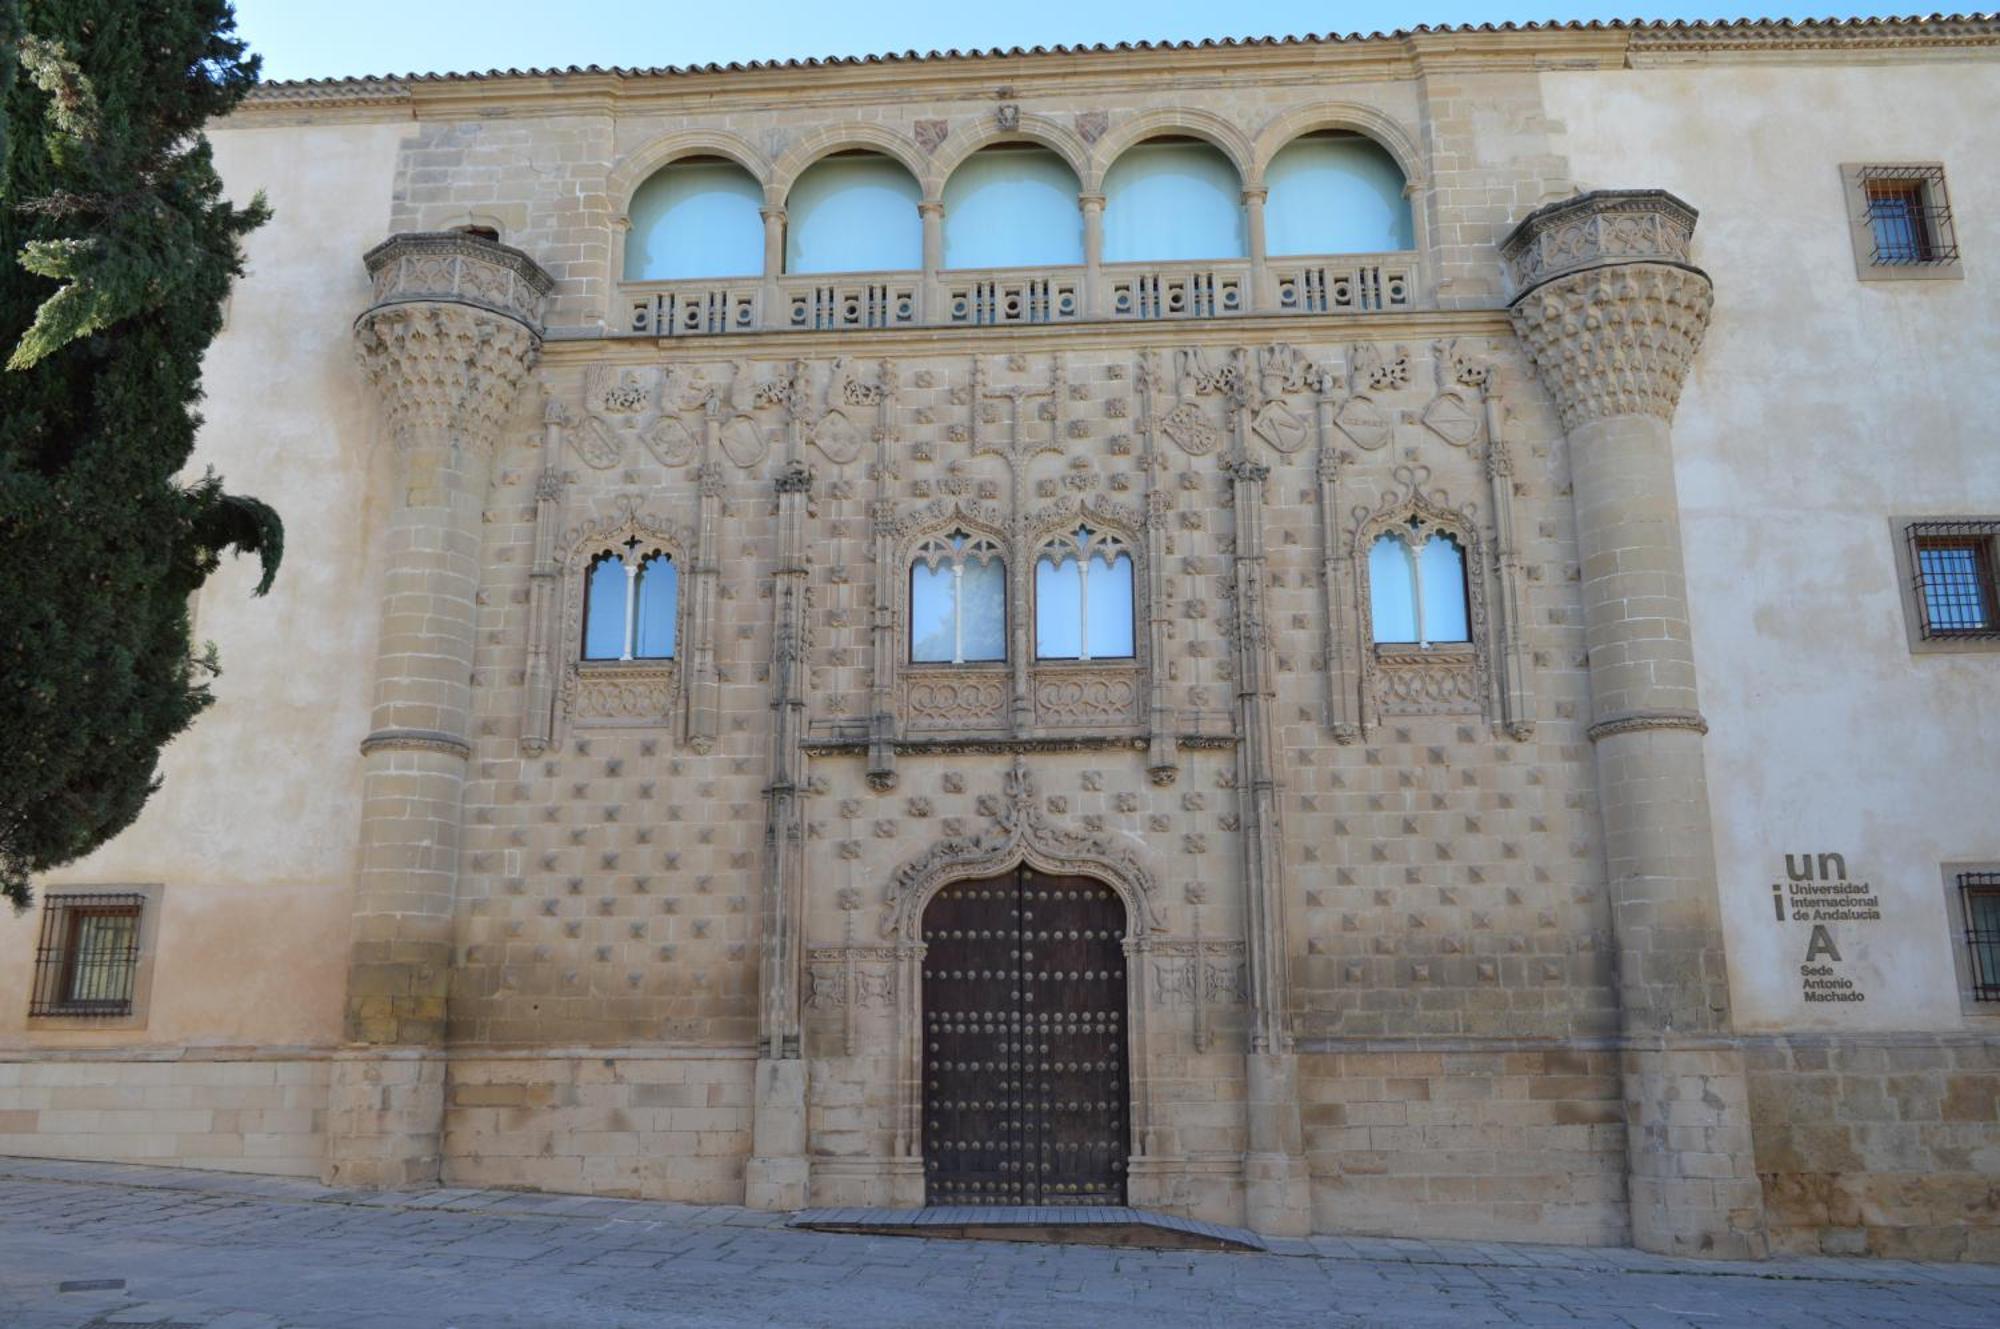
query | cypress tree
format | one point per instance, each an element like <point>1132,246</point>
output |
<point>117,249</point>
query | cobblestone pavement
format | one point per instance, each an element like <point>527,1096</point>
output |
<point>85,1244</point>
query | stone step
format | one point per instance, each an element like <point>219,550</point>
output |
<point>1091,1225</point>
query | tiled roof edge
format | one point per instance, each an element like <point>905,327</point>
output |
<point>1732,34</point>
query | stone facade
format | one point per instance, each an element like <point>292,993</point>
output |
<point>1441,941</point>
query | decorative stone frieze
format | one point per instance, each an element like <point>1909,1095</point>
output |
<point>1612,342</point>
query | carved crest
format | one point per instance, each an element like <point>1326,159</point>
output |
<point>743,442</point>
<point>626,403</point>
<point>1452,415</point>
<point>619,404</point>
<point>1369,367</point>
<point>1366,424</point>
<point>842,426</point>
<point>1187,425</point>
<point>1281,370</point>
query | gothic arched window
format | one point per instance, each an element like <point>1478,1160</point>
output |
<point>697,217</point>
<point>854,212</point>
<point>958,601</point>
<point>1336,193</point>
<point>1083,598</point>
<point>1417,587</point>
<point>631,599</point>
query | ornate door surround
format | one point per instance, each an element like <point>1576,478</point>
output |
<point>1026,1089</point>
<point>1019,834</point>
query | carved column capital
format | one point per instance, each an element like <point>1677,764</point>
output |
<point>454,328</point>
<point>1610,309</point>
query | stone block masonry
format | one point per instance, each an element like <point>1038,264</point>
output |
<point>1419,937</point>
<point>245,1113</point>
<point>1878,1146</point>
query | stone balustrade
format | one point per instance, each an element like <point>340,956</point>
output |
<point>1219,288</point>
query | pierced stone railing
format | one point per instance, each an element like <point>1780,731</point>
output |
<point>827,301</point>
<point>1349,284</point>
<point>693,309</point>
<point>1335,284</point>
<point>1013,295</point>
<point>1192,290</point>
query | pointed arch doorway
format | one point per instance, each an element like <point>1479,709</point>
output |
<point>1026,1088</point>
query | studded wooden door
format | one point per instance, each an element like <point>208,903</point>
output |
<point>1025,1088</point>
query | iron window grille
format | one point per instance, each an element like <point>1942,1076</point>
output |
<point>1951,566</point>
<point>87,962</point>
<point>1908,212</point>
<point>1979,898</point>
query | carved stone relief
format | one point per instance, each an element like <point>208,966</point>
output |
<point>1448,678</point>
<point>1019,831</point>
<point>654,407</point>
<point>616,692</point>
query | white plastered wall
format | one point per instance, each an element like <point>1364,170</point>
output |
<point>253,831</point>
<point>1820,406</point>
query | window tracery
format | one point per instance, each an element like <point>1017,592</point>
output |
<point>967,660</point>
<point>620,634</point>
<point>1421,571</point>
<point>630,602</point>
<point>1417,585</point>
<point>958,600</point>
<point>1082,611</point>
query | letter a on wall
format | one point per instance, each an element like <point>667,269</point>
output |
<point>1821,945</point>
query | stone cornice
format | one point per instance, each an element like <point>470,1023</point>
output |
<point>416,740</point>
<point>1636,721</point>
<point>1396,54</point>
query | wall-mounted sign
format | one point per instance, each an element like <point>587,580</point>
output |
<point>1837,912</point>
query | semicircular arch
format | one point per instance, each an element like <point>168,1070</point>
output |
<point>785,172</point>
<point>639,167</point>
<point>1041,130</point>
<point>1366,121</point>
<point>1221,134</point>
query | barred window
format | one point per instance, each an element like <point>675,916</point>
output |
<point>88,958</point>
<point>1979,901</point>
<point>1951,563</point>
<point>1899,216</point>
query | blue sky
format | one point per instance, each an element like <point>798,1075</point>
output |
<point>330,38</point>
